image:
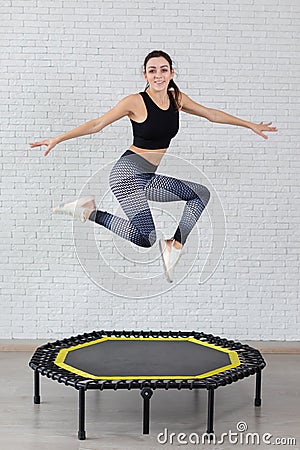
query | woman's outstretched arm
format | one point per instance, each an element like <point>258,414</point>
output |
<point>122,109</point>
<point>217,116</point>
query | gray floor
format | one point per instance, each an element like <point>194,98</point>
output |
<point>114,418</point>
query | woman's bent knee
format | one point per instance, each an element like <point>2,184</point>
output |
<point>205,196</point>
<point>148,241</point>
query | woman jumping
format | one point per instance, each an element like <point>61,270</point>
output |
<point>154,115</point>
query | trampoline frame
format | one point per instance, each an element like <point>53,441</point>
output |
<point>43,363</point>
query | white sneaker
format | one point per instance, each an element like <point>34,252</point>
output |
<point>75,208</point>
<point>170,256</point>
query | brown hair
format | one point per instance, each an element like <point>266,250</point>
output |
<point>175,100</point>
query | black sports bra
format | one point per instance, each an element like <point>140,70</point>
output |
<point>159,127</point>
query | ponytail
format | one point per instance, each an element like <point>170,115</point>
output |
<point>175,100</point>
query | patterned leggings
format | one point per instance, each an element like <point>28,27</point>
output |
<point>133,181</point>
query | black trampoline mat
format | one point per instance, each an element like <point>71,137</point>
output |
<point>139,358</point>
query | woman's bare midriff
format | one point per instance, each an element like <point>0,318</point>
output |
<point>153,156</point>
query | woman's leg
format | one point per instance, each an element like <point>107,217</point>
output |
<point>128,185</point>
<point>162,188</point>
<point>134,182</point>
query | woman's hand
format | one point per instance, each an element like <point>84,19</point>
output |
<point>260,127</point>
<point>51,143</point>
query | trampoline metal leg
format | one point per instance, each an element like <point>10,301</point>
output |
<point>146,393</point>
<point>81,430</point>
<point>257,400</point>
<point>210,411</point>
<point>36,378</point>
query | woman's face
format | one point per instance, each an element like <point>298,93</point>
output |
<point>158,73</point>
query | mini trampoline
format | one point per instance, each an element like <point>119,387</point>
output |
<point>146,360</point>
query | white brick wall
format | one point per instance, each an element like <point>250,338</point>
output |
<point>66,62</point>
